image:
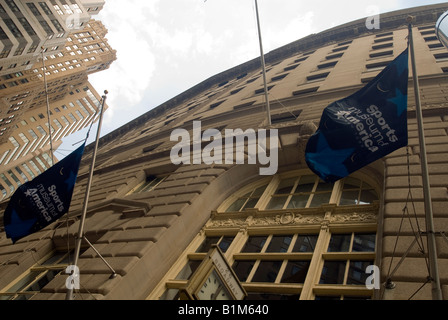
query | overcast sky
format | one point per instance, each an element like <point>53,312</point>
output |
<point>166,47</point>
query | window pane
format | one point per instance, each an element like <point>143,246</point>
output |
<point>285,186</point>
<point>333,272</point>
<point>357,272</point>
<point>267,271</point>
<point>25,281</point>
<point>259,191</point>
<point>207,244</point>
<point>43,281</point>
<point>254,244</point>
<point>236,206</point>
<point>295,272</point>
<point>277,203</point>
<point>364,243</point>
<point>188,270</point>
<point>170,294</point>
<point>352,183</point>
<point>251,203</point>
<point>225,243</point>
<point>349,198</point>
<point>368,196</point>
<point>339,243</point>
<point>320,198</point>
<point>322,186</point>
<point>54,259</point>
<point>243,269</point>
<point>305,243</point>
<point>298,201</point>
<point>279,244</point>
<point>306,184</point>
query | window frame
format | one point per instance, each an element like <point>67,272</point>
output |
<point>42,269</point>
<point>324,220</point>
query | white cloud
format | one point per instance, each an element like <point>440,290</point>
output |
<point>130,75</point>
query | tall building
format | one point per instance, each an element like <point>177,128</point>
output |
<point>28,27</point>
<point>24,125</point>
<point>287,235</point>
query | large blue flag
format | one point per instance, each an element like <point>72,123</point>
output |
<point>40,202</point>
<point>363,127</point>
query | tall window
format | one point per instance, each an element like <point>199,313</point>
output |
<point>290,236</point>
<point>36,278</point>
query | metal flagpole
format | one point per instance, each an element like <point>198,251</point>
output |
<point>430,234</point>
<point>263,64</point>
<point>48,106</point>
<point>81,237</point>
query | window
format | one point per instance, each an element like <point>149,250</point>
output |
<point>378,40</point>
<point>248,200</point>
<point>285,116</point>
<point>300,249</point>
<point>357,192</point>
<point>338,49</point>
<point>302,192</point>
<point>348,256</point>
<point>305,91</point>
<point>317,77</point>
<point>327,65</point>
<point>381,54</point>
<point>382,46</point>
<point>36,278</point>
<point>223,243</point>
<point>441,57</point>
<point>377,66</point>
<point>150,184</point>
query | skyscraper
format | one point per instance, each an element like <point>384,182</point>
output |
<point>29,27</point>
<point>59,77</point>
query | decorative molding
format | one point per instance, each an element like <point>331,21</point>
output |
<point>287,218</point>
<point>294,218</point>
<point>354,217</point>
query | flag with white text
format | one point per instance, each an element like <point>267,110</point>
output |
<point>364,127</point>
<point>38,203</point>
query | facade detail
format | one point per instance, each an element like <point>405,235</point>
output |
<point>287,236</point>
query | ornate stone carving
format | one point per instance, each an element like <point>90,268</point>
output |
<point>291,218</point>
<point>354,217</point>
<point>226,223</point>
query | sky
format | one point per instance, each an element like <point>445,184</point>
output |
<point>166,47</point>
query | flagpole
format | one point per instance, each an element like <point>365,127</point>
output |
<point>430,233</point>
<point>263,65</point>
<point>81,237</point>
<point>48,106</point>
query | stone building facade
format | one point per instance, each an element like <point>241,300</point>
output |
<point>286,235</point>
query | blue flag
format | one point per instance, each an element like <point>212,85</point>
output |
<point>40,202</point>
<point>363,127</point>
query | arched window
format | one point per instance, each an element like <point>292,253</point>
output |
<point>293,191</point>
<point>290,236</point>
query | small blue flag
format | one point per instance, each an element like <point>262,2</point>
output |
<point>38,203</point>
<point>364,127</point>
